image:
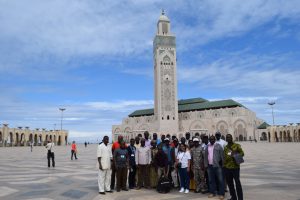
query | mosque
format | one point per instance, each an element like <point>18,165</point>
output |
<point>176,117</point>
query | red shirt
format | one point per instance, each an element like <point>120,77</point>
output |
<point>116,145</point>
<point>73,147</point>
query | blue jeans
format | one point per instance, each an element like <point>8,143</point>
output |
<point>184,178</point>
<point>213,174</point>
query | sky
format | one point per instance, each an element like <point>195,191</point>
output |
<point>95,59</point>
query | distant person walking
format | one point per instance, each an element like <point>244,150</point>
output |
<point>105,157</point>
<point>232,169</point>
<point>73,150</point>
<point>31,146</point>
<point>50,153</point>
<point>85,144</point>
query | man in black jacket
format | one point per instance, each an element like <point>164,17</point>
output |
<point>132,164</point>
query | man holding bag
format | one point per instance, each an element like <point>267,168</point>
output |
<point>233,157</point>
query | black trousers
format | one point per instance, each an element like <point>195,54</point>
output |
<point>50,155</point>
<point>237,191</point>
<point>131,178</point>
<point>113,176</point>
<point>121,178</point>
<point>143,176</point>
<point>73,153</point>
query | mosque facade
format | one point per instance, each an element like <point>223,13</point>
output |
<point>176,117</point>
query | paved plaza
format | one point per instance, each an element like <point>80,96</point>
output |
<point>270,172</point>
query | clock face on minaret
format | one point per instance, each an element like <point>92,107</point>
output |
<point>166,105</point>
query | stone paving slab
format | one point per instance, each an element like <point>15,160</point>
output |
<point>270,172</point>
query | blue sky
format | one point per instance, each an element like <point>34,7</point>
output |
<point>95,58</point>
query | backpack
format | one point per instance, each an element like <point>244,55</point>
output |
<point>163,185</point>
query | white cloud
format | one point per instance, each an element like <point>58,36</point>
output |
<point>264,75</point>
<point>120,105</point>
<point>39,32</point>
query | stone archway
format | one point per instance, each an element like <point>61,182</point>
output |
<point>240,129</point>
<point>281,137</point>
<point>196,125</point>
<point>222,127</point>
<point>40,142</point>
<point>276,137</point>
<point>264,136</point>
<point>295,136</point>
<point>46,139</point>
<point>54,139</point>
<point>30,138</point>
<point>59,140</point>
<point>289,138</point>
<point>1,139</point>
<point>66,140</point>
<point>17,139</point>
<point>11,139</point>
<point>284,136</point>
<point>35,139</point>
<point>22,139</point>
<point>241,138</point>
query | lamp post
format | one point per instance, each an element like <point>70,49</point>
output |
<point>62,111</point>
<point>272,103</point>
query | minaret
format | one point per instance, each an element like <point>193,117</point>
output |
<point>165,80</point>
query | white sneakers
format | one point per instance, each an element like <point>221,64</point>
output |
<point>185,191</point>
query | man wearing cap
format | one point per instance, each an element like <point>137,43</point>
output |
<point>197,161</point>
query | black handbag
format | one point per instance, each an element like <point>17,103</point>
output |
<point>238,158</point>
<point>179,164</point>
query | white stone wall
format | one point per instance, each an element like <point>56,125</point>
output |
<point>281,133</point>
<point>239,121</point>
<point>24,136</point>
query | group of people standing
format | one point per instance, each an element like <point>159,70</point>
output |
<point>204,164</point>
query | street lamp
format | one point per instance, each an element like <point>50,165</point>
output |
<point>272,103</point>
<point>62,111</point>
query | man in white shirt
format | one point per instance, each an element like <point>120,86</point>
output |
<point>143,159</point>
<point>50,152</point>
<point>104,155</point>
<point>220,141</point>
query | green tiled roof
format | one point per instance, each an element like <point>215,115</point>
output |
<point>209,105</point>
<point>186,105</point>
<point>263,125</point>
<point>191,101</point>
<point>144,112</point>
